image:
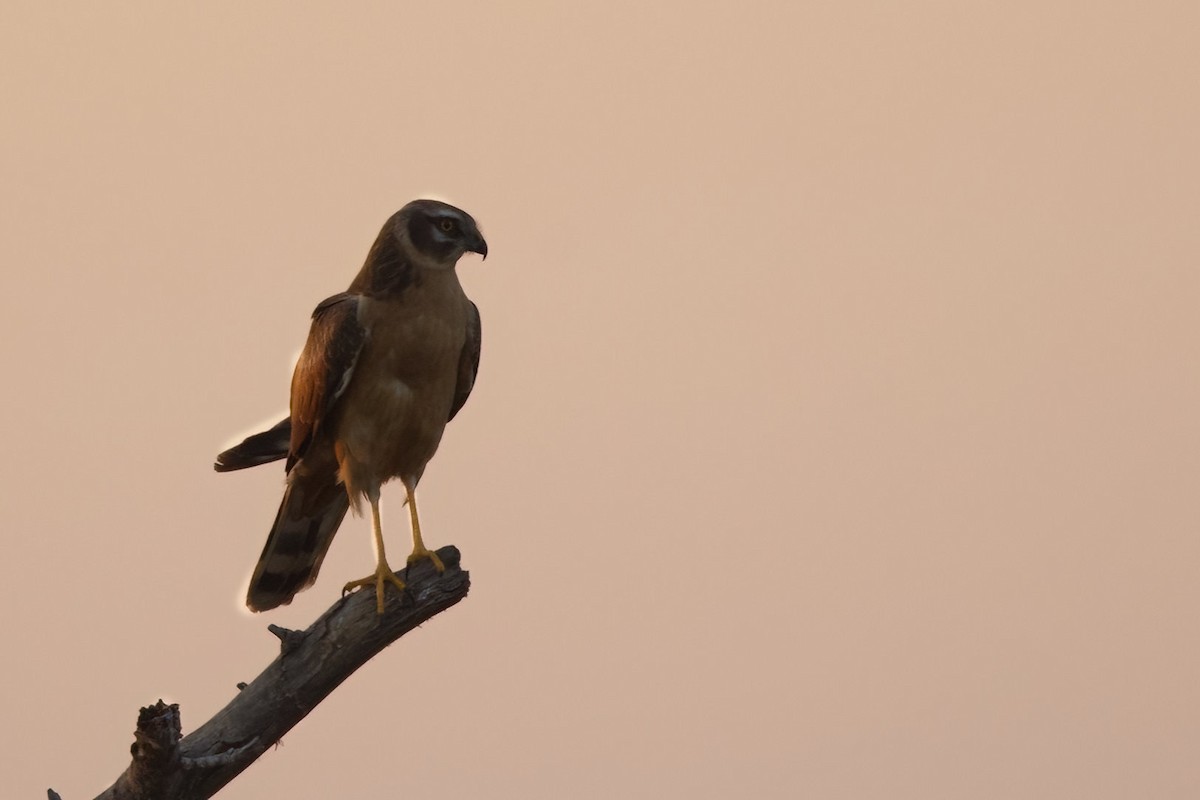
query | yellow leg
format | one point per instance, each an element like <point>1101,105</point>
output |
<point>419,549</point>
<point>383,573</point>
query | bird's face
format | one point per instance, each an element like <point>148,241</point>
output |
<point>440,232</point>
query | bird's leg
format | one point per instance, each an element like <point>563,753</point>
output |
<point>419,549</point>
<point>383,573</point>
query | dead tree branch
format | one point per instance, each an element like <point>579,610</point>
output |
<point>311,664</point>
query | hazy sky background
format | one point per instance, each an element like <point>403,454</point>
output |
<point>836,433</point>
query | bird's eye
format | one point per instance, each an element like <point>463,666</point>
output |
<point>446,225</point>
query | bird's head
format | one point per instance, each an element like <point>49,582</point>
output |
<point>438,232</point>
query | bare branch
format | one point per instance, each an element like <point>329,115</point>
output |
<point>311,664</point>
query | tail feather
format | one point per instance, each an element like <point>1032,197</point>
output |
<point>308,517</point>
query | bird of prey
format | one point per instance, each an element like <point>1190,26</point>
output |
<point>387,364</point>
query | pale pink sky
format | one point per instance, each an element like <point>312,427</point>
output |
<point>836,432</point>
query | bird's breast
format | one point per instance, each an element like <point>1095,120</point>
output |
<point>399,398</point>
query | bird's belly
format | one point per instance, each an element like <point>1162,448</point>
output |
<point>395,410</point>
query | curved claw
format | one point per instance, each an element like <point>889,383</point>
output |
<point>383,575</point>
<point>420,552</point>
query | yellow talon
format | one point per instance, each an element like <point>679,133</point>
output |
<point>383,576</point>
<point>383,573</point>
<point>419,550</point>
<point>422,552</point>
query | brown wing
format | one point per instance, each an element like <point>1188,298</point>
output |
<point>324,369</point>
<point>468,361</point>
<point>314,502</point>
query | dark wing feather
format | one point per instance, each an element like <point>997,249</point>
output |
<point>324,369</point>
<point>261,448</point>
<point>468,361</point>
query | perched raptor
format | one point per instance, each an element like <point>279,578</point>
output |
<point>387,364</point>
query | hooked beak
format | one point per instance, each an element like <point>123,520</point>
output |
<point>476,244</point>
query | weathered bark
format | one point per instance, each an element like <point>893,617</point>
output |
<point>311,664</point>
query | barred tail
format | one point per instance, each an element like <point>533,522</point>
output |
<point>308,518</point>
